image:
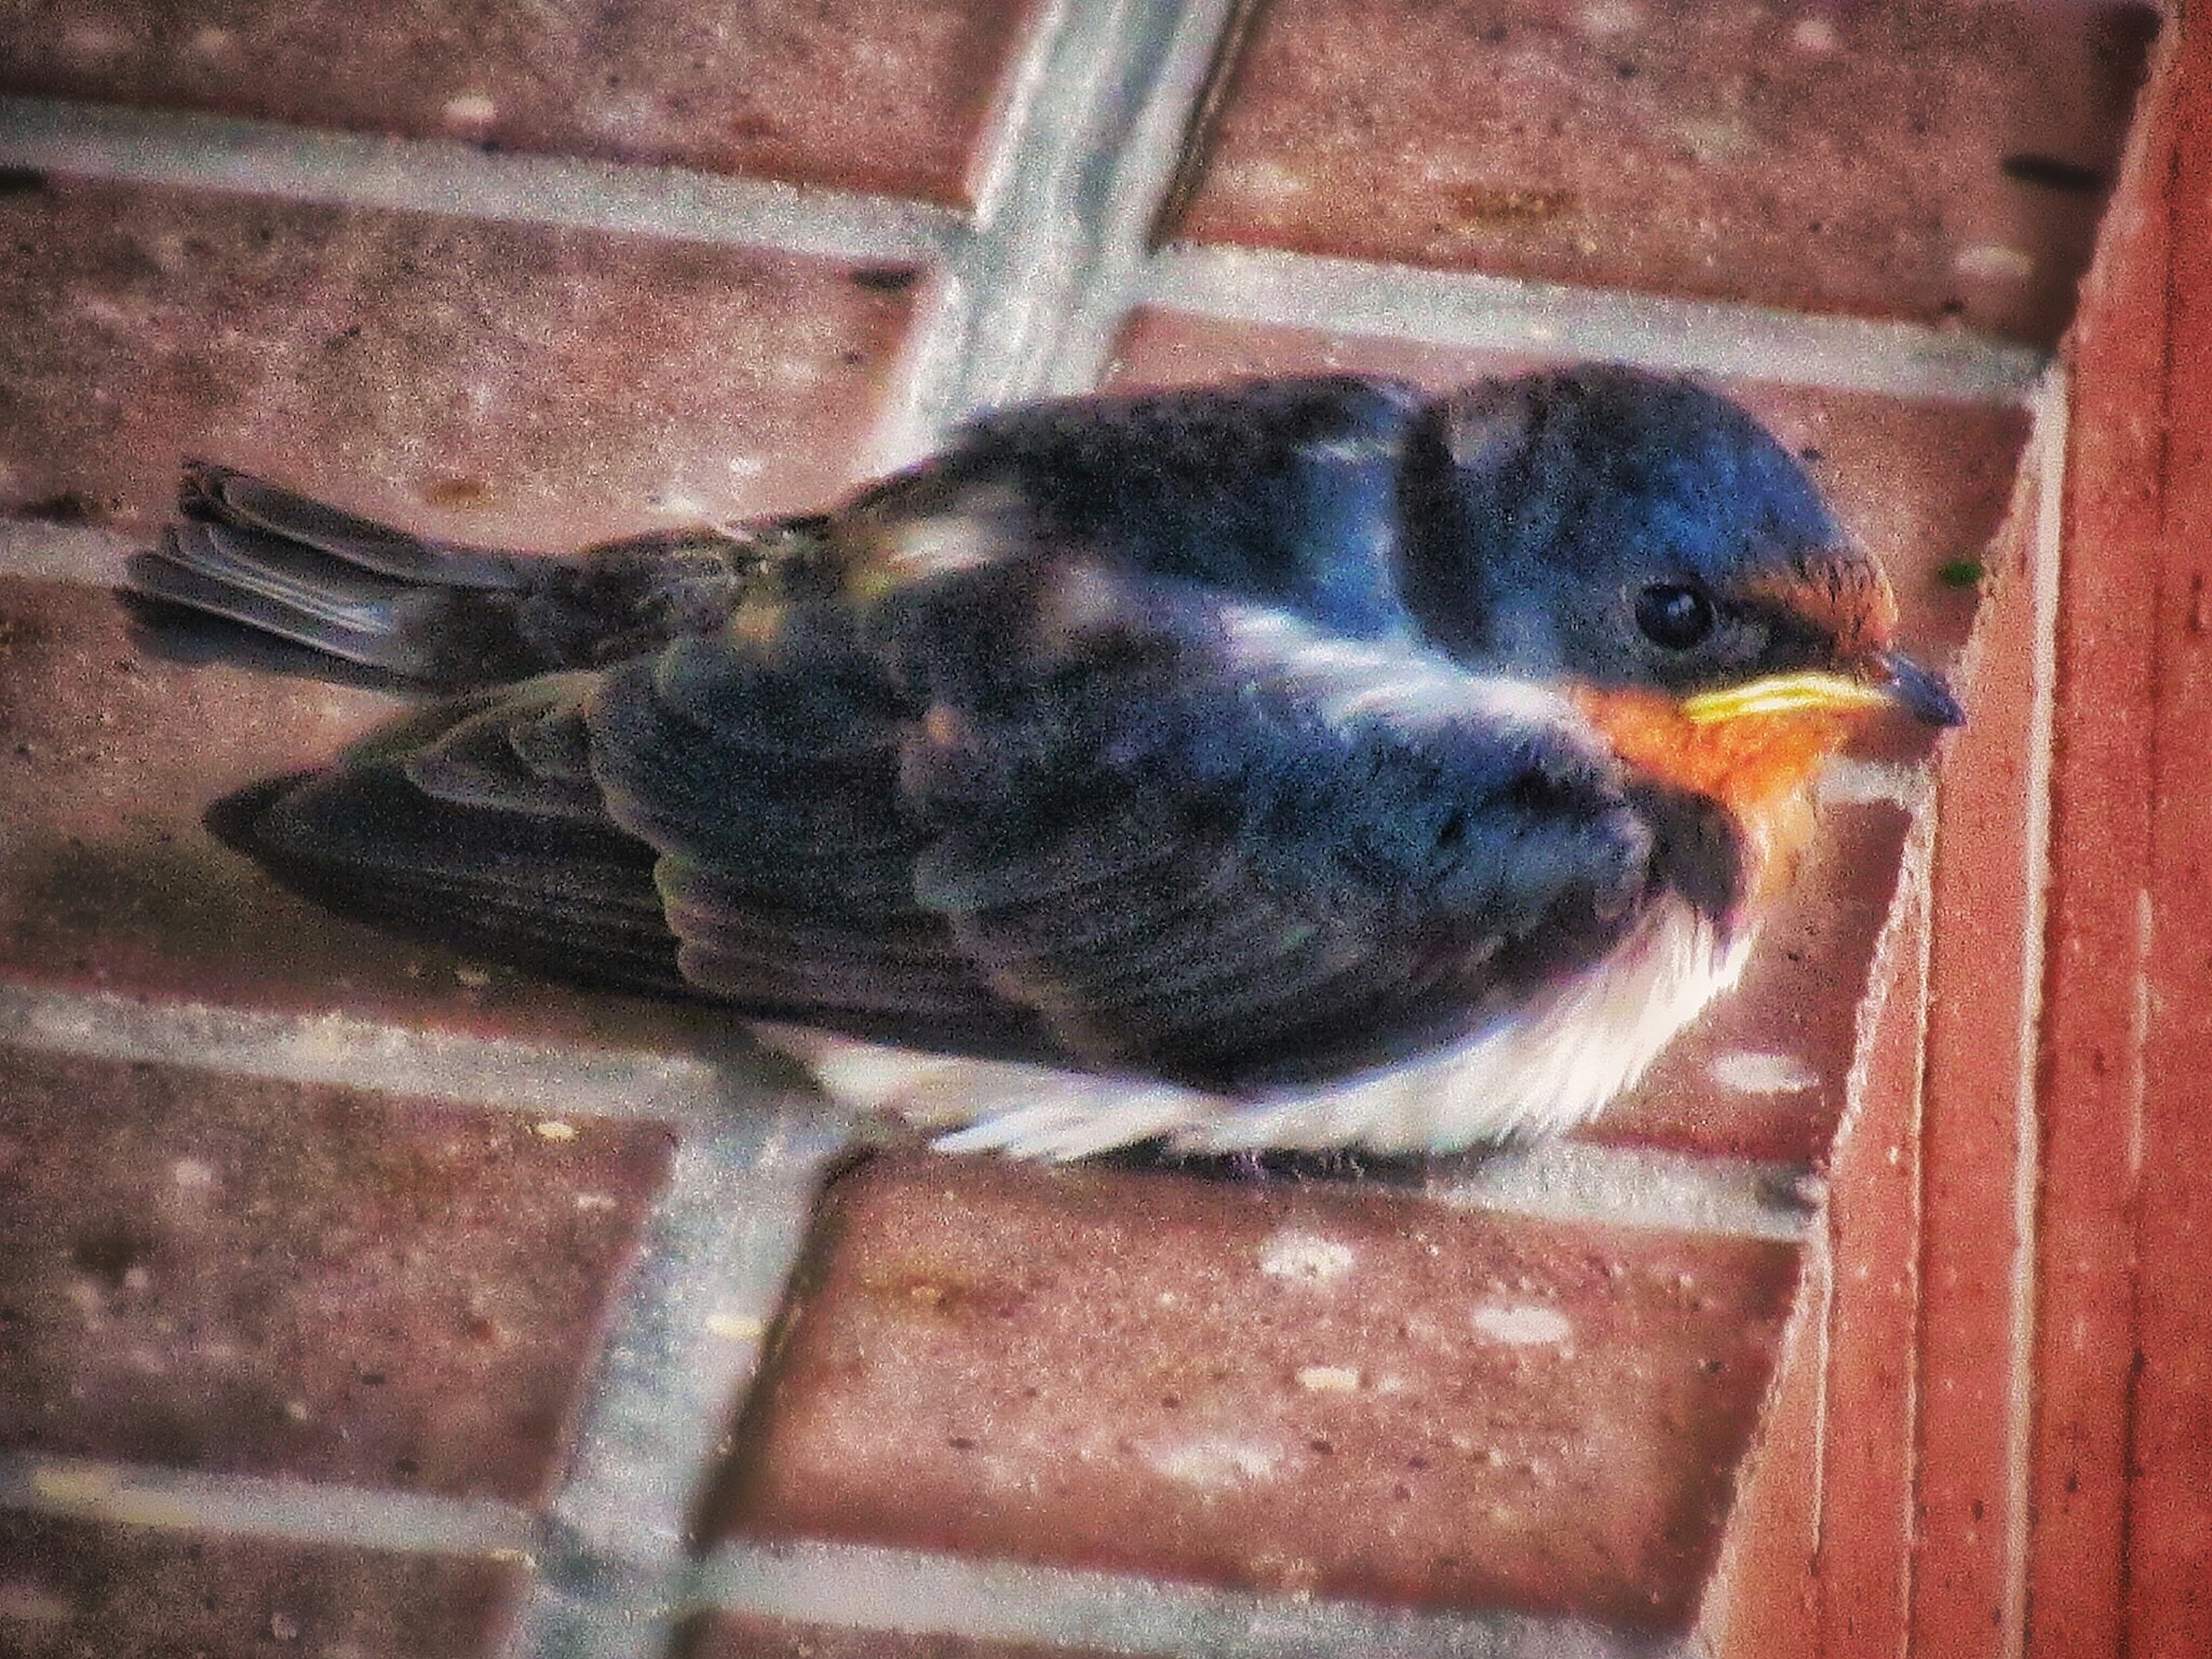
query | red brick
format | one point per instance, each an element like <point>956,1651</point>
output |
<point>1762,1601</point>
<point>866,96</point>
<point>71,1590</point>
<point>476,380</point>
<point>2169,1549</point>
<point>1970,1354</point>
<point>1875,1250</point>
<point>231,1275</point>
<point>1895,159</point>
<point>1301,1388</point>
<point>740,1636</point>
<point>2089,1081</point>
<point>108,880</point>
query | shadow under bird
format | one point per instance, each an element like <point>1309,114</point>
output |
<point>1296,764</point>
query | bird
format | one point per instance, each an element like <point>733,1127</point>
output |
<point>1304,765</point>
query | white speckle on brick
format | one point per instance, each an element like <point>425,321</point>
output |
<point>1215,1462</point>
<point>738,1327</point>
<point>1815,35</point>
<point>191,1175</point>
<point>1266,181</point>
<point>553,1128</point>
<point>1604,19</point>
<point>593,1203</point>
<point>1523,1324</point>
<point>469,109</point>
<point>214,43</point>
<point>1305,1258</point>
<point>1752,1071</point>
<point>1993,262</point>
<point>1329,1379</point>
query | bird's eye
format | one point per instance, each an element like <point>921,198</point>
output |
<point>1672,616</point>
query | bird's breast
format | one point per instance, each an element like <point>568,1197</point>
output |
<point>1759,767</point>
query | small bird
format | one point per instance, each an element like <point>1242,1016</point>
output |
<point>1298,764</point>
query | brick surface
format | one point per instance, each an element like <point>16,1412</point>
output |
<point>739,1636</point>
<point>2090,1083</point>
<point>109,881</point>
<point>477,380</point>
<point>71,1590</point>
<point>238,1276</point>
<point>1898,159</point>
<point>867,96</point>
<point>1304,1388</point>
<point>1979,998</point>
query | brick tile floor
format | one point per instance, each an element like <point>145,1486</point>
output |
<point>1149,1374</point>
<point>1896,159</point>
<point>464,1364</point>
<point>863,96</point>
<point>71,1591</point>
<point>318,1282</point>
<point>470,379</point>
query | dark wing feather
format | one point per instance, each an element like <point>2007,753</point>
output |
<point>1053,811</point>
<point>468,824</point>
<point>1209,842</point>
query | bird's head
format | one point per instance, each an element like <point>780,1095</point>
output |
<point>1648,544</point>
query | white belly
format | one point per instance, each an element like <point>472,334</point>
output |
<point>1555,1066</point>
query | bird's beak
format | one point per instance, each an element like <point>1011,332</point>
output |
<point>1894,681</point>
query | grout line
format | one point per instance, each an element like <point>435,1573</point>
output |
<point>2049,448</point>
<point>1089,141</point>
<point>86,554</point>
<point>1462,309</point>
<point>294,1511</point>
<point>917,1593</point>
<point>1848,781</point>
<point>438,175</point>
<point>1631,1187</point>
<point>547,1079</point>
<point>689,1336</point>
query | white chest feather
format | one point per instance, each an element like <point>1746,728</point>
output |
<point>1554,1066</point>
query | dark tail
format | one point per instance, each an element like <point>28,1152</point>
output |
<point>256,572</point>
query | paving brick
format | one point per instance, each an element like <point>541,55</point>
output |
<point>1898,159</point>
<point>108,880</point>
<point>71,1590</point>
<point>1981,994</point>
<point>740,1635</point>
<point>475,379</point>
<point>1299,1388</point>
<point>867,96</point>
<point>231,1275</point>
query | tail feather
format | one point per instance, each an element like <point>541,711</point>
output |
<point>257,571</point>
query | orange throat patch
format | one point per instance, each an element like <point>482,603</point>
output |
<point>1760,767</point>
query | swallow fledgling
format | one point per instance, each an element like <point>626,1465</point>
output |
<point>1300,764</point>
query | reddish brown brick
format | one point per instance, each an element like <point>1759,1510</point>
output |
<point>866,96</point>
<point>740,1636</point>
<point>477,379</point>
<point>233,1275</point>
<point>71,1590</point>
<point>1980,996</point>
<point>1900,159</point>
<point>109,881</point>
<point>1305,1389</point>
